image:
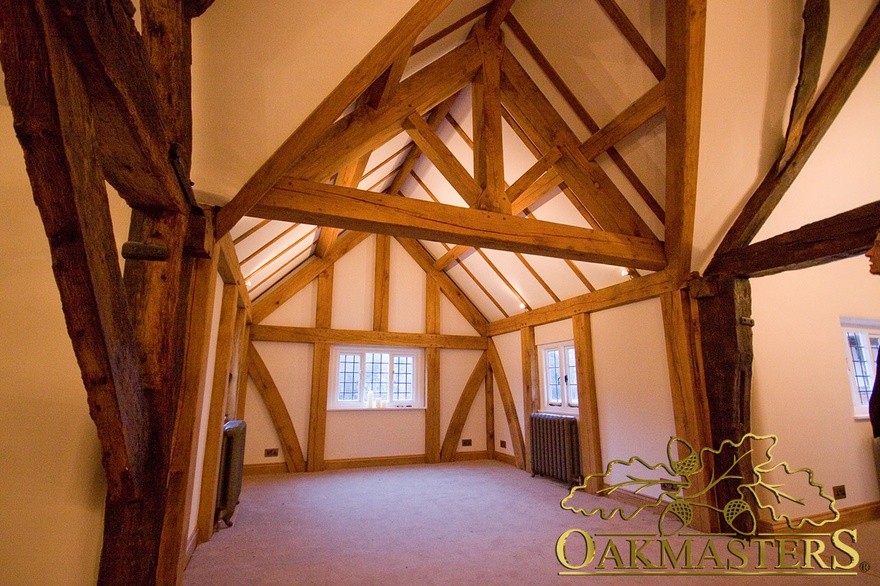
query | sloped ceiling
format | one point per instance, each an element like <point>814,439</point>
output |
<point>260,68</point>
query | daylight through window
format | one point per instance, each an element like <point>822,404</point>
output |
<point>861,339</point>
<point>374,377</point>
<point>559,377</point>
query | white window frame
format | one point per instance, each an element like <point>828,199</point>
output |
<point>363,403</point>
<point>568,368</point>
<point>865,329</point>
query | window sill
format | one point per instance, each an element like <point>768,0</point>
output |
<point>560,411</point>
<point>370,409</point>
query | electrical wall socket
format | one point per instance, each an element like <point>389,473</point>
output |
<point>503,444</point>
<point>270,452</point>
<point>466,443</point>
<point>839,492</point>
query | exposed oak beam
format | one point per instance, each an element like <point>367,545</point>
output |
<point>442,158</point>
<point>433,433</point>
<point>294,200</point>
<point>196,8</point>
<point>364,337</point>
<point>230,271</point>
<point>366,129</point>
<point>637,289</point>
<point>685,48</point>
<point>582,113</point>
<point>725,309</point>
<point>121,84</point>
<point>531,387</point>
<point>213,455</point>
<point>452,255</point>
<point>320,375</point>
<point>348,176</point>
<point>646,107</point>
<point>496,14</point>
<point>777,181</point>
<point>689,404</point>
<point>816,15</point>
<point>588,401</point>
<point>842,236</point>
<point>304,138</point>
<point>412,157</point>
<point>486,99</point>
<point>471,16</point>
<point>529,178</point>
<point>382,283</point>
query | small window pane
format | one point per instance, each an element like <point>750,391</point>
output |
<point>554,375</point>
<point>862,366</point>
<point>376,374</point>
<point>572,379</point>
<point>403,379</point>
<point>349,377</point>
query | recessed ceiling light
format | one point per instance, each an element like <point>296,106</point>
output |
<point>247,283</point>
<point>522,305</point>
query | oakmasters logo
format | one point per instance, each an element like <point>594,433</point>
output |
<point>687,540</point>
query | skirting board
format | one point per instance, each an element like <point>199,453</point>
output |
<point>506,458</point>
<point>377,461</point>
<point>849,516</point>
<point>477,455</point>
<point>271,468</point>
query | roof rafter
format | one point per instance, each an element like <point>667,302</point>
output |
<point>633,37</point>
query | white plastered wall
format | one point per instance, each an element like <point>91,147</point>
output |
<point>800,387</point>
<point>632,384</point>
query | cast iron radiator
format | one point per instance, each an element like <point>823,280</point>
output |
<point>556,447</point>
<point>231,463</point>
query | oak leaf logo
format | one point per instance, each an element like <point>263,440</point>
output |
<point>678,506</point>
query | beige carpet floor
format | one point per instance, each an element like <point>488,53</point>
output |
<point>479,523</point>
